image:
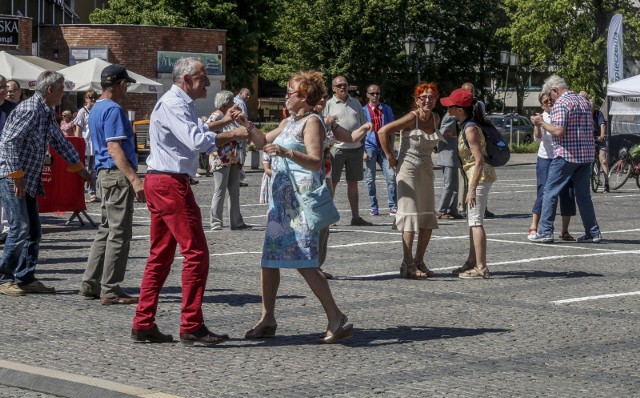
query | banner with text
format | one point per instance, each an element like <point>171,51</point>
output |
<point>615,59</point>
<point>212,62</point>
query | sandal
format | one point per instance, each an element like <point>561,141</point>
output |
<point>260,333</point>
<point>475,273</point>
<point>410,271</point>
<point>465,267</point>
<point>344,331</point>
<point>423,267</point>
<point>566,236</point>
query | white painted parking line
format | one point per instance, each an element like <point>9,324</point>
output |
<point>602,296</point>
<point>549,258</point>
<point>65,377</point>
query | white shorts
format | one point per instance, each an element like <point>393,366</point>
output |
<point>475,215</point>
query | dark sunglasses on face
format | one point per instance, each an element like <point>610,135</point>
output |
<point>374,94</point>
<point>341,85</point>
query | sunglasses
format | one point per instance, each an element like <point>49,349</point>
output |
<point>374,94</point>
<point>427,97</point>
<point>92,98</point>
<point>341,85</point>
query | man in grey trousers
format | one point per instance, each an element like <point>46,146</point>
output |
<point>118,184</point>
<point>450,162</point>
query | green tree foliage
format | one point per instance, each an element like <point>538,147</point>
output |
<point>246,22</point>
<point>363,40</point>
<point>570,35</point>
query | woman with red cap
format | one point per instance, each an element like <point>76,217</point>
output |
<point>472,149</point>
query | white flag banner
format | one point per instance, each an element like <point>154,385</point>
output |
<point>615,59</point>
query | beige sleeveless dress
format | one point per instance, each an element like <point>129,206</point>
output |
<point>416,198</point>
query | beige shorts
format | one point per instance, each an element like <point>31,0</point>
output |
<point>475,214</point>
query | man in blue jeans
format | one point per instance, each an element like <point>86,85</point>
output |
<point>379,114</point>
<point>26,136</point>
<point>571,126</point>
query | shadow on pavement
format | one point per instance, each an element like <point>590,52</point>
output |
<point>544,274</point>
<point>372,337</point>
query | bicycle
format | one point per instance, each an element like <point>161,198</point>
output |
<point>597,175</point>
<point>627,166</point>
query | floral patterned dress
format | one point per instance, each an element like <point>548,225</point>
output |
<point>288,242</point>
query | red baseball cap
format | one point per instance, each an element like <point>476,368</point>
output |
<point>459,97</point>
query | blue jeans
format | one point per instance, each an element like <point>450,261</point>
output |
<point>377,156</point>
<point>22,246</point>
<point>560,174</point>
<point>567,195</point>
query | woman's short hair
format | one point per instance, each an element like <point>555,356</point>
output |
<point>48,79</point>
<point>422,87</point>
<point>310,85</point>
<point>223,98</point>
<point>90,93</point>
<point>541,96</point>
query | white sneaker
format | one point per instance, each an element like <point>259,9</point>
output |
<point>216,227</point>
<point>539,238</point>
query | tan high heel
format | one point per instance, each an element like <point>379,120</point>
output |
<point>263,332</point>
<point>344,331</point>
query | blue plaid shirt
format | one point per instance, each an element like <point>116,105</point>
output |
<point>26,136</point>
<point>573,113</point>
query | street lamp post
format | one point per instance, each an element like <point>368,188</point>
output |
<point>509,59</point>
<point>410,50</point>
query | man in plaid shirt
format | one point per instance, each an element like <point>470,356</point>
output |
<point>572,129</point>
<point>26,136</point>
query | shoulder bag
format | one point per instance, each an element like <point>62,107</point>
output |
<point>317,205</point>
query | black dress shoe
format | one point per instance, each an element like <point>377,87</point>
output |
<point>193,182</point>
<point>152,335</point>
<point>243,184</point>
<point>242,227</point>
<point>203,337</point>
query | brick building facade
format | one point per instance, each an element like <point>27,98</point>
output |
<point>136,47</point>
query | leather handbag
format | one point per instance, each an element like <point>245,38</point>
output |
<point>317,205</point>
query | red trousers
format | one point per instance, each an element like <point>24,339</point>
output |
<point>175,219</point>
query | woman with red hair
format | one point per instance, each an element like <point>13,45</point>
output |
<point>296,148</point>
<point>416,198</point>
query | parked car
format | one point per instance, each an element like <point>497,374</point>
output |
<point>141,134</point>
<point>513,127</point>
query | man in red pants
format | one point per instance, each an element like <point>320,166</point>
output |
<point>177,137</point>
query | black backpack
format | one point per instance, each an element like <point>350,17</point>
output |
<point>498,153</point>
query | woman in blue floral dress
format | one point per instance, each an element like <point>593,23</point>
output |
<point>288,242</point>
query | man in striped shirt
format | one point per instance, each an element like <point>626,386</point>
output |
<point>177,136</point>
<point>25,139</point>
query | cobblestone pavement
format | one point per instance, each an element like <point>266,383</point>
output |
<point>503,337</point>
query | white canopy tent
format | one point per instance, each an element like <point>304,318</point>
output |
<point>86,75</point>
<point>623,106</point>
<point>23,71</point>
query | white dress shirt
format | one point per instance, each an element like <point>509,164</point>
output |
<point>177,136</point>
